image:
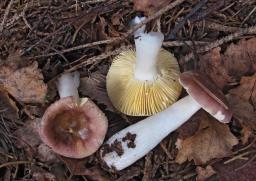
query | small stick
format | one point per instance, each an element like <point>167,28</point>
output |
<point>87,45</point>
<point>181,24</point>
<point>14,163</point>
<point>154,16</point>
<point>182,43</point>
<point>220,27</point>
<point>98,58</point>
<point>5,15</point>
<point>250,30</point>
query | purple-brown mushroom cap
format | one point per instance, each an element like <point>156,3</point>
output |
<point>73,130</point>
<point>206,94</point>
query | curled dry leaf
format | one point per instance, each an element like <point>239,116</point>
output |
<point>8,108</point>
<point>25,84</point>
<point>204,173</point>
<point>45,154</point>
<point>27,135</point>
<point>229,67</point>
<point>150,6</point>
<point>212,140</point>
<point>95,87</point>
<point>78,167</point>
<point>242,100</point>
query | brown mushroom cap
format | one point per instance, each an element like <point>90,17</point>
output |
<point>143,98</point>
<point>207,94</point>
<point>73,130</point>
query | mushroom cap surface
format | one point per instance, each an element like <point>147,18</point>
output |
<point>206,94</point>
<point>143,98</point>
<point>72,130</point>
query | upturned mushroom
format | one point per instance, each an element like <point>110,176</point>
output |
<point>72,126</point>
<point>145,81</point>
<point>138,139</point>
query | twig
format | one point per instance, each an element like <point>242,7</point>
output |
<point>98,58</point>
<point>157,14</point>
<point>166,151</point>
<point>248,16</point>
<point>5,15</point>
<point>81,47</point>
<point>247,163</point>
<point>220,27</point>
<point>14,163</point>
<point>245,31</point>
<point>181,24</point>
<point>182,43</point>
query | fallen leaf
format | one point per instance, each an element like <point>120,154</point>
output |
<point>150,6</point>
<point>45,154</point>
<point>24,84</point>
<point>247,89</point>
<point>212,65</point>
<point>8,108</point>
<point>95,88</point>
<point>212,140</point>
<point>204,173</point>
<point>246,134</point>
<point>101,26</point>
<point>242,100</point>
<point>39,174</point>
<point>227,68</point>
<point>239,59</point>
<point>78,167</point>
<point>27,135</point>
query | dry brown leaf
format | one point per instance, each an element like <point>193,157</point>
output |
<point>77,167</point>
<point>212,140</point>
<point>27,135</point>
<point>8,108</point>
<point>246,134</point>
<point>45,154</point>
<point>204,173</point>
<point>247,89</point>
<point>150,6</point>
<point>95,87</point>
<point>101,26</point>
<point>212,65</point>
<point>239,59</point>
<point>25,84</point>
<point>242,100</point>
<point>229,67</point>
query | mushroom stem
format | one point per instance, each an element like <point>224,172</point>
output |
<point>147,48</point>
<point>68,84</point>
<point>150,132</point>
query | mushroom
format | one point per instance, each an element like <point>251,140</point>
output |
<point>72,126</point>
<point>149,132</point>
<point>145,81</point>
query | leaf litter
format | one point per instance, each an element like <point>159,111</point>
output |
<point>39,40</point>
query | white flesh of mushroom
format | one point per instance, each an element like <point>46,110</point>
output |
<point>68,84</point>
<point>147,47</point>
<point>150,132</point>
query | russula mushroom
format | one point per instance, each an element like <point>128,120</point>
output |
<point>72,126</point>
<point>149,132</point>
<point>145,81</point>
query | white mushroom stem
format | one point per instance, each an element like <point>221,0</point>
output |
<point>147,47</point>
<point>150,132</point>
<point>136,21</point>
<point>68,84</point>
